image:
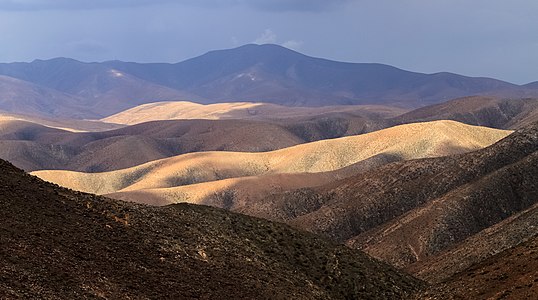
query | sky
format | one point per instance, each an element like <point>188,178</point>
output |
<point>490,38</point>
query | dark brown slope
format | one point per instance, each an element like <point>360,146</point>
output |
<point>478,110</point>
<point>451,218</point>
<point>60,244</point>
<point>479,247</point>
<point>512,274</point>
<point>418,208</point>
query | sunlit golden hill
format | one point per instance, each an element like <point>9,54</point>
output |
<point>409,141</point>
<point>185,110</point>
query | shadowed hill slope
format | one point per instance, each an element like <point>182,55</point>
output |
<point>48,148</point>
<point>34,147</point>
<point>511,274</point>
<point>460,213</point>
<point>502,236</point>
<point>482,111</point>
<point>438,217</point>
<point>405,141</point>
<point>60,244</point>
<point>22,97</point>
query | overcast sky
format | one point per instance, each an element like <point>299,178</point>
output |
<point>493,38</point>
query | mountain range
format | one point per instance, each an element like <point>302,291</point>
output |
<point>262,173</point>
<point>253,73</point>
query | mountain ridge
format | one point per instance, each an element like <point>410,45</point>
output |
<point>261,73</point>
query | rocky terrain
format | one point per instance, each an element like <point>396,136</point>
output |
<point>511,274</point>
<point>495,112</point>
<point>465,223</point>
<point>60,244</point>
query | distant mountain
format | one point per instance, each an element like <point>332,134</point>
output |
<point>532,85</point>
<point>19,96</point>
<point>254,73</point>
<point>61,244</point>
<point>274,74</point>
<point>95,89</point>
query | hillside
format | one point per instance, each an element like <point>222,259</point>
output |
<point>95,89</point>
<point>495,239</point>
<point>239,192</point>
<point>34,147</point>
<point>57,243</point>
<point>73,125</point>
<point>405,142</point>
<point>437,217</point>
<point>22,97</point>
<point>482,111</point>
<point>511,274</point>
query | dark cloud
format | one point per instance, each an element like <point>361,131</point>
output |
<point>265,5</point>
<point>74,4</point>
<point>493,38</point>
<point>88,48</point>
<point>295,5</point>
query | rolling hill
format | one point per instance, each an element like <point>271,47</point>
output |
<point>405,142</point>
<point>440,218</point>
<point>482,111</point>
<point>33,147</point>
<point>185,110</point>
<point>57,243</point>
<point>495,112</point>
<point>111,150</point>
<point>66,124</point>
<point>236,193</point>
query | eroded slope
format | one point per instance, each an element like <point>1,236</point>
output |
<point>60,244</point>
